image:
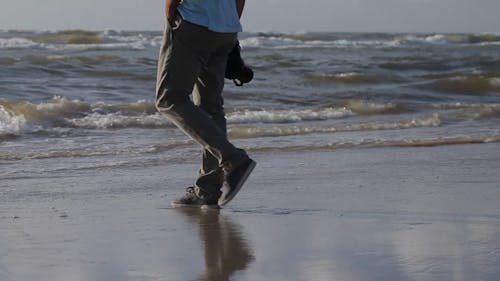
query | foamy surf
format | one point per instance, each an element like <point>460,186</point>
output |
<point>385,143</point>
<point>86,97</point>
<point>137,154</point>
<point>238,131</point>
<point>287,116</point>
<point>119,121</point>
<point>81,40</point>
<point>273,42</point>
<point>61,111</point>
<point>10,124</point>
<point>18,117</point>
<point>352,77</point>
<point>17,43</point>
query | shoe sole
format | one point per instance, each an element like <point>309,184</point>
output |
<point>240,184</point>
<point>203,207</point>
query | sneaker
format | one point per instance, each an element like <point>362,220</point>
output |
<point>235,180</point>
<point>192,200</point>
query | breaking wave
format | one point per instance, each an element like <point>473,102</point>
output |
<point>351,77</point>
<point>18,117</point>
<point>362,40</point>
<point>286,116</point>
<point>111,39</point>
<point>474,84</point>
<point>427,142</point>
<point>362,107</point>
<point>81,40</point>
<point>69,37</point>
<point>62,112</point>
<point>10,124</point>
<point>118,120</point>
<point>473,111</point>
<point>452,38</point>
<point>259,131</point>
<point>284,42</point>
<point>17,43</point>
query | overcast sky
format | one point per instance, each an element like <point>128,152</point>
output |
<point>264,15</point>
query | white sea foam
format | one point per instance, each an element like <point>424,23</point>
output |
<point>156,41</point>
<point>118,120</point>
<point>495,81</point>
<point>251,131</point>
<point>288,43</point>
<point>112,39</point>
<point>134,42</point>
<point>130,38</point>
<point>443,39</point>
<point>381,142</point>
<point>91,47</point>
<point>17,43</point>
<point>10,124</point>
<point>62,112</point>
<point>286,116</point>
<point>437,39</point>
<point>495,43</point>
<point>22,43</point>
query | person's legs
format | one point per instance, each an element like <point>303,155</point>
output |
<point>208,96</point>
<point>184,53</point>
<point>192,54</point>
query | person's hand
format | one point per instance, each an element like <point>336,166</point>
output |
<point>171,10</point>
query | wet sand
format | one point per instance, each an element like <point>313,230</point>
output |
<point>427,213</point>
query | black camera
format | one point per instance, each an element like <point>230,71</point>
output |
<point>236,69</point>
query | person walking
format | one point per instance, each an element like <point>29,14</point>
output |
<point>197,38</point>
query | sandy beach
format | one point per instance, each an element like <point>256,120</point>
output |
<point>422,213</point>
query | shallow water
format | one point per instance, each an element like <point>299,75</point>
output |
<point>86,98</point>
<point>394,214</point>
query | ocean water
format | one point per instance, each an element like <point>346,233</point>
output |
<point>71,101</point>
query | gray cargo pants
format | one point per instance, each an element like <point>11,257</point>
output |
<point>193,61</point>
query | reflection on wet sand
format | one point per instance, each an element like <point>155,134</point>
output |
<point>225,248</point>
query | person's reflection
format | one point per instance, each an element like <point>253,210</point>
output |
<point>226,251</point>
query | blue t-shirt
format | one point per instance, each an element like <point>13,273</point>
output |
<point>217,15</point>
